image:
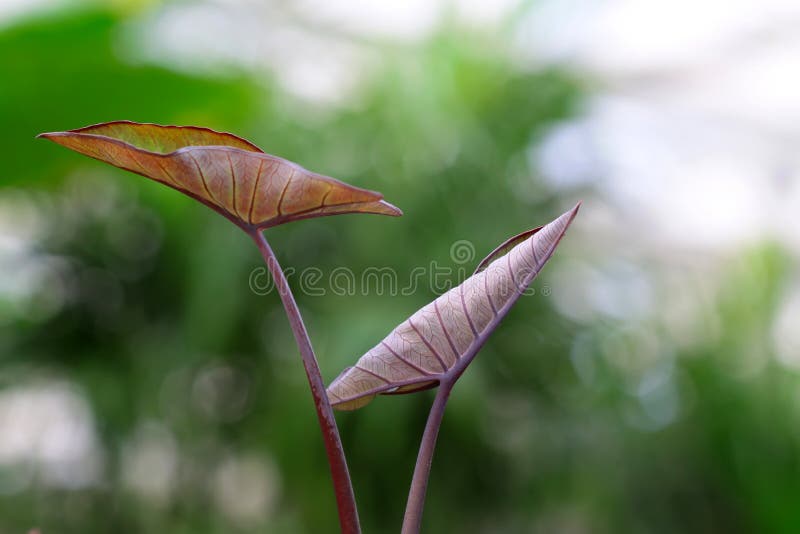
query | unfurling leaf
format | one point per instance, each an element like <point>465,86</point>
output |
<point>437,343</point>
<point>225,172</point>
<point>504,248</point>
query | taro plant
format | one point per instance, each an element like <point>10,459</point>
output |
<point>255,191</point>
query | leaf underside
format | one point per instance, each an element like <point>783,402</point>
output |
<point>225,172</point>
<point>438,342</point>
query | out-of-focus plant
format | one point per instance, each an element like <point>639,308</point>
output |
<point>255,191</point>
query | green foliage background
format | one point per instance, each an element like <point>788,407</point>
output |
<point>152,293</point>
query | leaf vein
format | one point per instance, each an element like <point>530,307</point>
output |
<point>283,192</point>
<point>466,311</point>
<point>404,360</point>
<point>444,329</point>
<point>488,294</point>
<point>376,375</point>
<point>233,185</point>
<point>203,179</point>
<point>427,344</point>
<point>253,194</point>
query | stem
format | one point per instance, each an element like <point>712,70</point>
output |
<point>345,499</point>
<point>412,521</point>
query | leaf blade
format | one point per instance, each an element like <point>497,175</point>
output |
<point>223,171</point>
<point>414,356</point>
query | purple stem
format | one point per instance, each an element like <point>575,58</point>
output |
<point>412,521</point>
<point>345,499</point>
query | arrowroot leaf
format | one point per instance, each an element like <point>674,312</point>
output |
<point>225,172</point>
<point>438,342</point>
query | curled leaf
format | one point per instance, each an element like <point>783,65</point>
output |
<point>225,172</point>
<point>437,343</point>
<point>504,248</point>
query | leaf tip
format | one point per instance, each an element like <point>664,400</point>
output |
<point>570,215</point>
<point>390,209</point>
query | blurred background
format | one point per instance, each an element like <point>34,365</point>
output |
<point>651,385</point>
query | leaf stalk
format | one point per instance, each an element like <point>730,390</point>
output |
<point>343,487</point>
<point>412,520</point>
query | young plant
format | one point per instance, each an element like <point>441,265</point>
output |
<point>255,191</point>
<point>434,346</point>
